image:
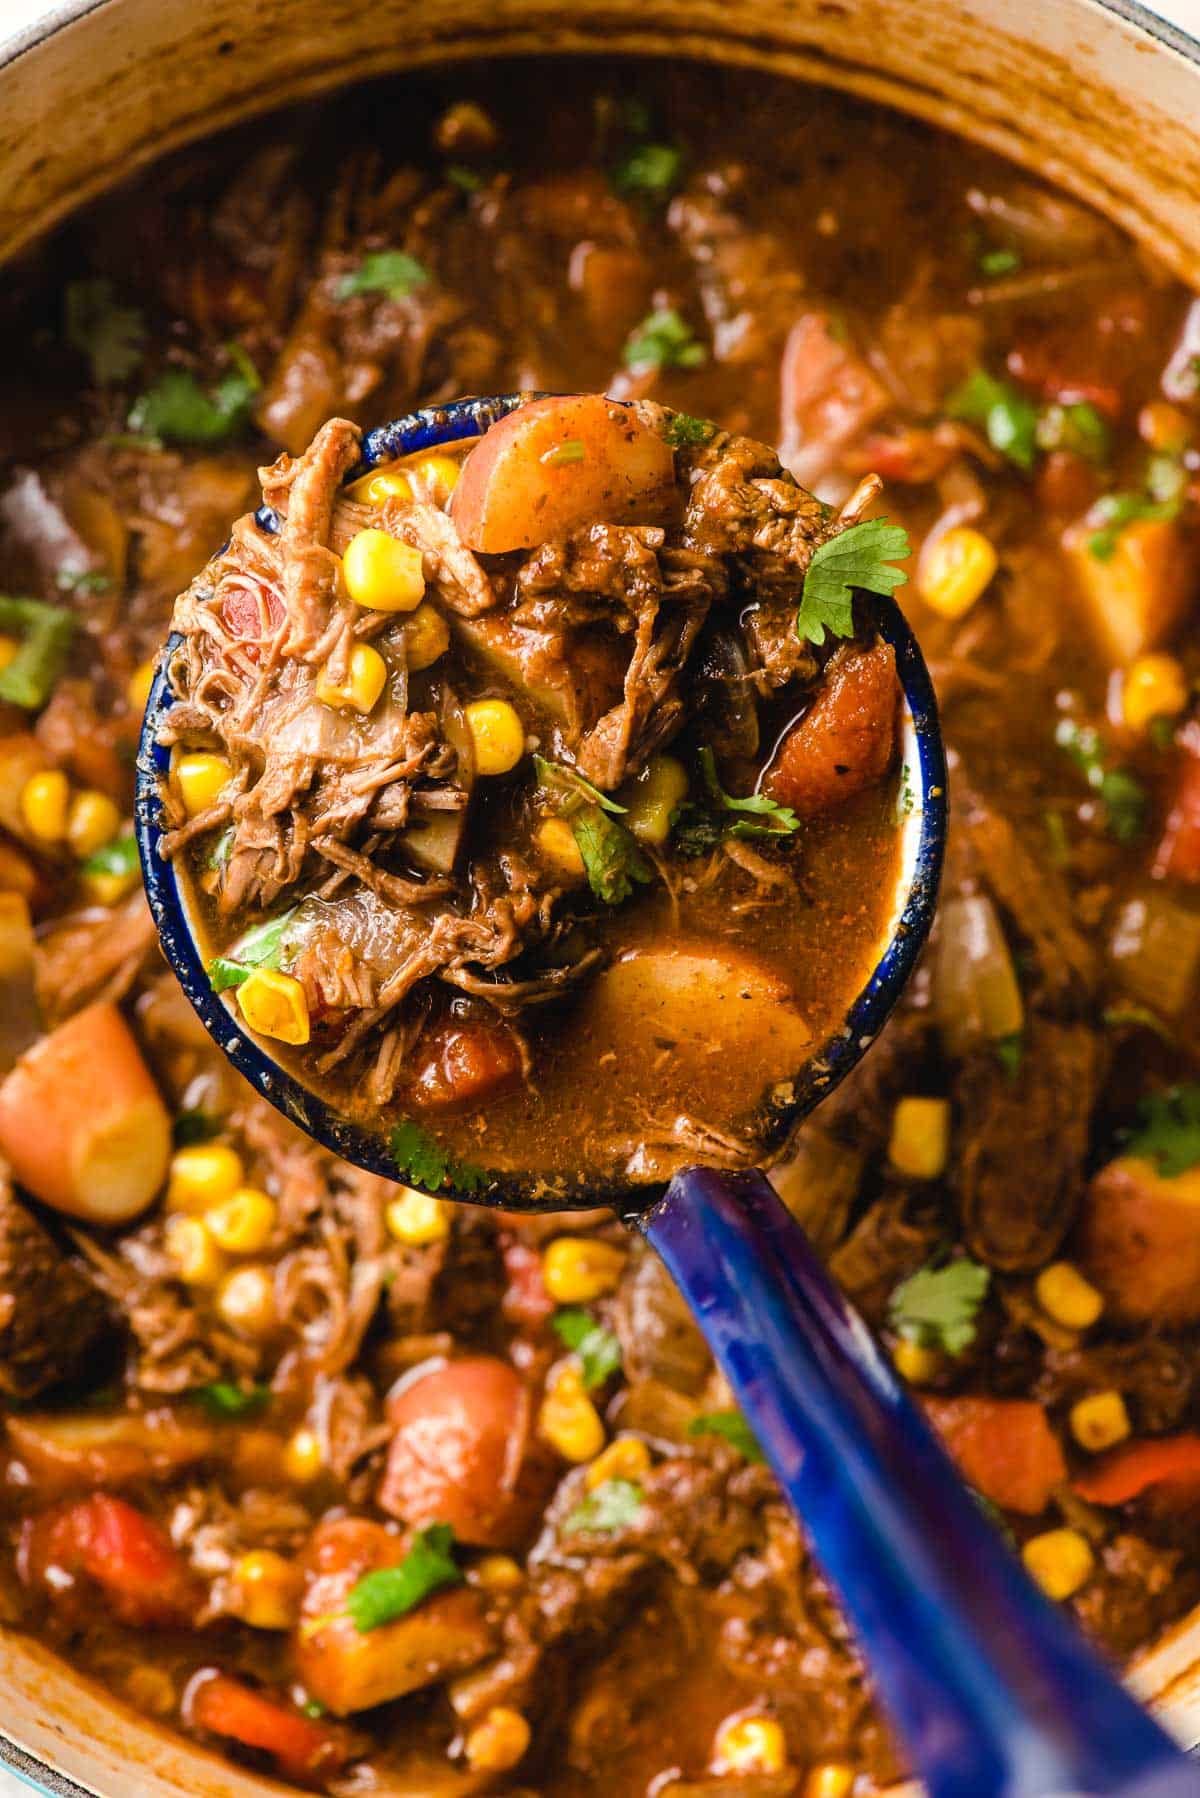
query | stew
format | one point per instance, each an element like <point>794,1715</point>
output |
<point>360,1487</point>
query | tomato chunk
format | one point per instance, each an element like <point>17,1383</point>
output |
<point>1169,1466</point>
<point>118,1548</point>
<point>846,741</point>
<point>303,1748</point>
<point>1004,1447</point>
<point>463,1066</point>
<point>251,612</point>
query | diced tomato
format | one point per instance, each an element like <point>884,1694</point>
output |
<point>251,612</point>
<point>304,1748</point>
<point>912,455</point>
<point>460,1067</point>
<point>1178,854</point>
<point>1168,1466</point>
<point>117,1547</point>
<point>846,741</point>
<point>526,1302</point>
<point>1085,365</point>
<point>1004,1447</point>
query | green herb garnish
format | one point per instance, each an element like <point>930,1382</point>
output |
<point>858,557</point>
<point>732,1427</point>
<point>683,431</point>
<point>1112,513</point>
<point>754,816</point>
<point>663,340</point>
<point>1120,792</point>
<point>1167,1131</point>
<point>612,1506</point>
<point>194,1126</point>
<point>82,580</point>
<point>994,263</point>
<point>467,180</point>
<point>177,409</point>
<point>1136,1017</point>
<point>390,1592</point>
<point>1008,420</point>
<point>119,857</point>
<point>111,336</point>
<point>556,778</point>
<point>650,171</point>
<point>45,633</point>
<point>421,1160</point>
<point>1010,1053</point>
<point>392,272</point>
<point>224,1399</point>
<point>599,1350</point>
<point>1079,428</point>
<point>611,857</point>
<point>266,945</point>
<point>937,1306</point>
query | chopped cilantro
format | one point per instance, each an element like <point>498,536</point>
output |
<point>599,1350</point>
<point>994,263</point>
<point>683,431</point>
<point>1114,511</point>
<point>858,557</point>
<point>312,1707</point>
<point>266,945</point>
<point>663,340</point>
<point>650,171</point>
<point>392,272</point>
<point>82,580</point>
<point>391,1592</point>
<point>1010,1053</point>
<point>732,1427</point>
<point>937,1306</point>
<point>111,336</point>
<point>177,409</point>
<point>1079,428</point>
<point>194,1126</point>
<point>224,1399</point>
<point>45,634</point>
<point>611,857</point>
<point>1135,1017</point>
<point>574,789</point>
<point>699,828</point>
<point>1008,420</point>
<point>612,1506</point>
<point>467,180</point>
<point>119,857</point>
<point>1120,792</point>
<point>1167,1131</point>
<point>695,831</point>
<point>421,1159</point>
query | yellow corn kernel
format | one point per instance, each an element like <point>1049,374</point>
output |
<point>750,1745</point>
<point>151,1689</point>
<point>140,682</point>
<point>93,819</point>
<point>577,1269</point>
<point>568,1419</point>
<point>417,1219</point>
<point>247,1300</point>
<point>916,1362</point>
<point>556,844</point>
<point>1155,686</point>
<point>1067,1297</point>
<point>920,1137</point>
<point>104,888</point>
<point>1060,1561</point>
<point>497,734</point>
<point>201,779</point>
<point>382,573</point>
<point>363,685</point>
<point>497,1573</point>
<point>203,1175</point>
<point>658,789</point>
<point>833,1780</point>
<point>244,1223</point>
<point>426,637</point>
<point>266,1590</point>
<point>8,649</point>
<point>1099,1421</point>
<point>275,1005</point>
<point>378,488</point>
<point>627,1458</point>
<point>196,1256</point>
<point>954,570</point>
<point>44,801</point>
<point>302,1457</point>
<point>498,1742</point>
<point>1163,426</point>
<point>438,477</point>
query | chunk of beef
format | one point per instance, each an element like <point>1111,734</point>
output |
<point>750,282</point>
<point>52,1319</point>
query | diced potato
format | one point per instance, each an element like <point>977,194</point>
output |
<point>1139,593</point>
<point>433,840</point>
<point>575,692</point>
<point>89,1449</point>
<point>1140,1241</point>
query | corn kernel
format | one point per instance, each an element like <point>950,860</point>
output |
<point>954,570</point>
<point>569,1420</point>
<point>577,1269</point>
<point>1154,687</point>
<point>151,1689</point>
<point>417,1219</point>
<point>426,637</point>
<point>244,1223</point>
<point>105,888</point>
<point>920,1137</point>
<point>8,650</point>
<point>93,819</point>
<point>658,789</point>
<point>302,1457</point>
<point>437,477</point>
<point>1060,1561</point>
<point>196,1256</point>
<point>556,843</point>
<point>247,1300</point>
<point>44,800</point>
<point>201,779</point>
<point>627,1458</point>
<point>360,690</point>
<point>916,1362</point>
<point>382,573</point>
<point>497,734</point>
<point>1163,426</point>
<point>266,1590</point>
<point>498,1742</point>
<point>750,1745</point>
<point>203,1175</point>
<point>833,1780</point>
<point>140,682</point>
<point>384,485</point>
<point>1067,1297</point>
<point>275,1005</point>
<point>497,1573</point>
<point>1099,1421</point>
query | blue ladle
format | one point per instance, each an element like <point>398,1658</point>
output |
<point>992,1690</point>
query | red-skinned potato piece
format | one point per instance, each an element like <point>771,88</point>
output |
<point>847,739</point>
<point>349,1669</point>
<point>303,1748</point>
<point>1004,1447</point>
<point>1139,1242</point>
<point>559,463</point>
<point>130,1557</point>
<point>464,1453</point>
<point>81,1121</point>
<point>87,1448</point>
<point>460,1067</point>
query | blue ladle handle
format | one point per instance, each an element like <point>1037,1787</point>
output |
<point>993,1691</point>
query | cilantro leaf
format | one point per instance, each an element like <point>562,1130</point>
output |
<point>684,431</point>
<point>695,831</point>
<point>651,171</point>
<point>778,820</point>
<point>267,945</point>
<point>118,857</point>
<point>599,1349</point>
<point>938,1305</point>
<point>109,335</point>
<point>45,633</point>
<point>732,1427</point>
<point>224,1399</point>
<point>1008,420</point>
<point>1111,513</point>
<point>611,857</point>
<point>421,1159</point>
<point>663,340</point>
<point>82,580</point>
<point>391,1592</point>
<point>1010,1053</point>
<point>556,778</point>
<point>177,409</point>
<point>1167,1131</point>
<point>994,263</point>
<point>858,557</point>
<point>392,272</point>
<point>194,1126</point>
<point>466,179</point>
<point>1120,792</point>
<point>1078,428</point>
<point>612,1506</point>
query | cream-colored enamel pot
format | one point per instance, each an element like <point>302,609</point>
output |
<point>1096,94</point>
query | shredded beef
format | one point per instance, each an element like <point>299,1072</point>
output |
<point>53,1320</point>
